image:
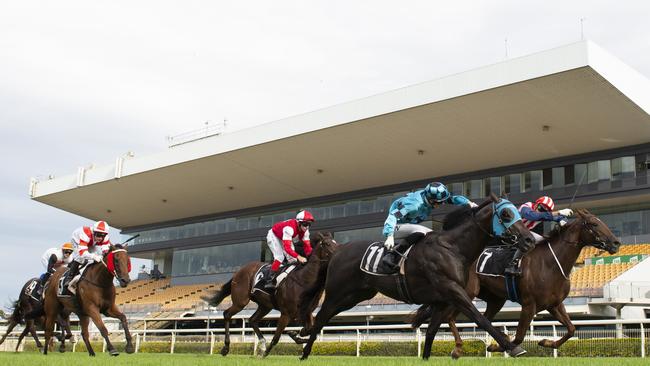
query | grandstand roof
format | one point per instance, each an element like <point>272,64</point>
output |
<point>469,121</point>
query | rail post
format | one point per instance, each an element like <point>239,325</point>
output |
<point>554,338</point>
<point>358,343</point>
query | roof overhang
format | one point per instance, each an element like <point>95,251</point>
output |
<point>484,118</point>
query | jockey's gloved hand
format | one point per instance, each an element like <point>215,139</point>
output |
<point>563,222</point>
<point>472,204</point>
<point>389,243</point>
<point>566,212</point>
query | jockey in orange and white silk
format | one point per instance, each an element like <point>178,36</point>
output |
<point>280,239</point>
<point>86,248</point>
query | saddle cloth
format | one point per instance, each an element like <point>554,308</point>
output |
<point>32,289</point>
<point>264,273</point>
<point>494,260</point>
<point>61,292</point>
<point>371,262</point>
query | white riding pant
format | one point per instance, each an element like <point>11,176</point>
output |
<point>277,248</point>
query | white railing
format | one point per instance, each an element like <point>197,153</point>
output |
<point>198,134</point>
<point>637,329</point>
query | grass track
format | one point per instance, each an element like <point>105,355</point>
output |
<point>74,359</point>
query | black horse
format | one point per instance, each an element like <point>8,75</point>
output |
<point>436,270</point>
<point>24,305</point>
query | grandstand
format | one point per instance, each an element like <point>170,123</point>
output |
<point>198,231</point>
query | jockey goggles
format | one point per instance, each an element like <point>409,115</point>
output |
<point>68,251</point>
<point>305,223</point>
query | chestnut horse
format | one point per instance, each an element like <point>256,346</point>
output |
<point>95,296</point>
<point>544,283</point>
<point>296,297</point>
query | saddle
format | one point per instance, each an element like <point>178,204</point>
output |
<point>264,274</point>
<point>494,260</point>
<point>63,291</point>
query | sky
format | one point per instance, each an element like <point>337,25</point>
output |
<point>83,82</point>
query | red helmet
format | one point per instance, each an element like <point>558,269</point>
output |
<point>546,202</point>
<point>303,216</point>
<point>100,227</point>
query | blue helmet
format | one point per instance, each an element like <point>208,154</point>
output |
<point>436,192</point>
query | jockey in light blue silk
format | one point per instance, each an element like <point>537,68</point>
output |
<point>414,208</point>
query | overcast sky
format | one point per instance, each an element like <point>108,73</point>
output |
<point>84,82</point>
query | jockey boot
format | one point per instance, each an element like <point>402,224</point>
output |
<point>513,268</point>
<point>392,257</point>
<point>270,283</point>
<point>73,270</point>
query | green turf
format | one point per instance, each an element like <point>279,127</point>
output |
<point>73,359</point>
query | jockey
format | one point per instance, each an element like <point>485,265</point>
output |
<point>52,259</point>
<point>532,215</point>
<point>280,241</point>
<point>414,208</point>
<point>91,243</point>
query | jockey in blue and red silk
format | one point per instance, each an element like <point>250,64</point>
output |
<point>91,243</point>
<point>533,214</point>
<point>414,208</point>
<point>280,241</point>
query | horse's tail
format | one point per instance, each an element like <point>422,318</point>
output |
<point>218,296</point>
<point>423,313</point>
<point>16,312</point>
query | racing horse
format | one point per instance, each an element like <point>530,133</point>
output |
<point>95,296</point>
<point>296,297</point>
<point>544,282</point>
<point>436,270</point>
<point>24,305</point>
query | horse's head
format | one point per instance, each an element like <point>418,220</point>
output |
<point>507,224</point>
<point>119,264</point>
<point>596,233</point>
<point>324,246</point>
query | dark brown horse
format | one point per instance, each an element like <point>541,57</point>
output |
<point>95,296</point>
<point>436,270</point>
<point>296,297</point>
<point>544,283</point>
<point>23,306</point>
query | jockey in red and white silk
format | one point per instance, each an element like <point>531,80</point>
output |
<point>91,243</point>
<point>280,239</point>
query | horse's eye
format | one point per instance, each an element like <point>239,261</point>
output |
<point>506,215</point>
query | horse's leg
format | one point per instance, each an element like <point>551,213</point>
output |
<point>254,322</point>
<point>462,301</point>
<point>114,312</point>
<point>332,306</point>
<point>84,320</point>
<point>93,313</point>
<point>22,336</point>
<point>49,330</point>
<point>227,316</point>
<point>279,328</point>
<point>437,316</point>
<point>458,349</point>
<point>494,305</point>
<point>525,317</point>
<point>559,312</point>
<point>10,327</point>
<point>31,328</point>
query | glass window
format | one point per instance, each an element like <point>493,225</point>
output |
<point>558,177</point>
<point>533,181</point>
<point>211,260</point>
<point>512,183</point>
<point>368,234</point>
<point>456,188</point>
<point>547,178</point>
<point>623,167</point>
<point>366,207</point>
<point>473,188</point>
<point>492,184</point>
<point>580,173</point>
<point>352,208</point>
<point>598,171</point>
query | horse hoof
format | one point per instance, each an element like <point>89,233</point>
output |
<point>517,351</point>
<point>113,353</point>
<point>91,354</point>
<point>224,351</point>
<point>62,349</point>
<point>494,348</point>
<point>546,343</point>
<point>455,354</point>
<point>129,349</point>
<point>303,358</point>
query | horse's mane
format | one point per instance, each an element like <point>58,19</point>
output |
<point>456,217</point>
